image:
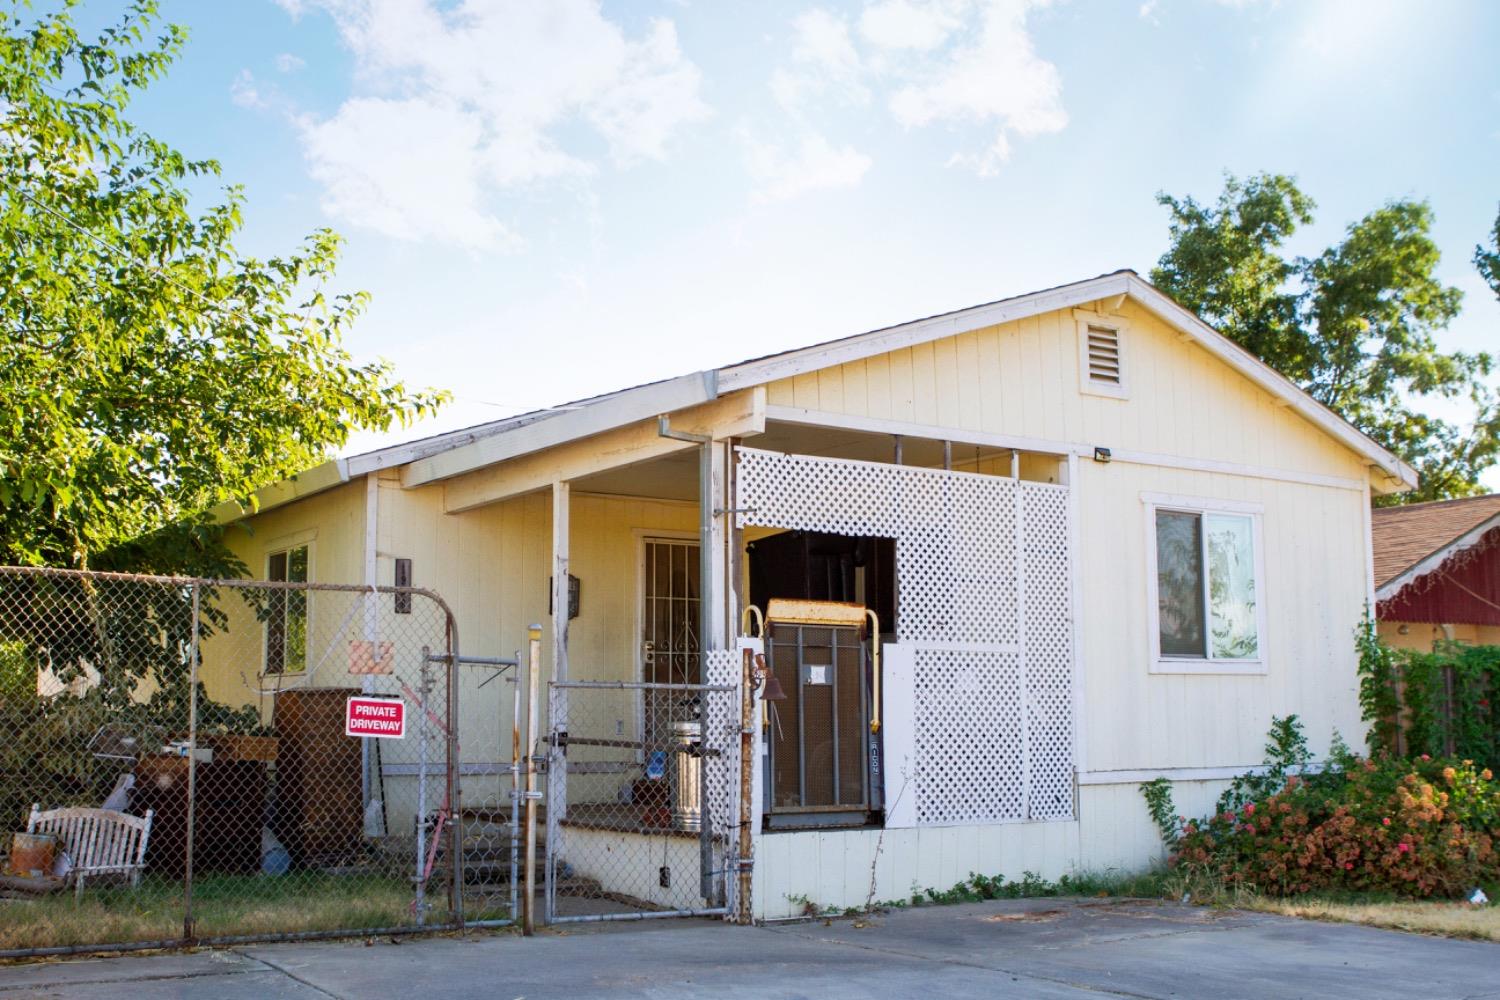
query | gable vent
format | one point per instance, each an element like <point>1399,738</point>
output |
<point>1104,356</point>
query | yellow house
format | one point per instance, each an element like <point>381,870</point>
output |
<point>1437,572</point>
<point>1108,545</point>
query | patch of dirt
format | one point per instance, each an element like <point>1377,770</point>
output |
<point>1032,917</point>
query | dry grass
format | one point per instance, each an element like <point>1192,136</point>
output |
<point>223,905</point>
<point>1458,920</point>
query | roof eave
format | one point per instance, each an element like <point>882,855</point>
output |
<point>1435,559</point>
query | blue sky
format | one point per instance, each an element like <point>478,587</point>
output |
<point>556,199</point>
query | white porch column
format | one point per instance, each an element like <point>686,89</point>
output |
<point>717,633</point>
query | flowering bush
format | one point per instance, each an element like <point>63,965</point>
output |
<point>1424,827</point>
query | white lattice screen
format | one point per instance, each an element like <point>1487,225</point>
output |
<point>982,568</point>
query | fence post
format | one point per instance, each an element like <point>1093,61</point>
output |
<point>746,850</point>
<point>533,677</point>
<point>455,782</point>
<point>188,931</point>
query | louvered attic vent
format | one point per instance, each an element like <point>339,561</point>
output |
<point>1104,356</point>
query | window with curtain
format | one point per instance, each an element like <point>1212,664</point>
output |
<point>1207,603</point>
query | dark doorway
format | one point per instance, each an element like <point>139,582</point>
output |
<point>817,566</point>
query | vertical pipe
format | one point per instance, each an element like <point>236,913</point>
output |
<point>533,679</point>
<point>707,884</point>
<point>188,931</point>
<point>1015,464</point>
<point>421,888</point>
<point>455,787</point>
<point>897,438</point>
<point>516,790</point>
<point>372,635</point>
<point>747,763</point>
<point>561,509</point>
<point>947,456</point>
<point>706,640</point>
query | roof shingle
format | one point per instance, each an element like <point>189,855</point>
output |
<point>1404,536</point>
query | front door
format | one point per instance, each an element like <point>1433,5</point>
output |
<point>669,629</point>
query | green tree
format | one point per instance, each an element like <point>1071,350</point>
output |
<point>1356,326</point>
<point>149,370</point>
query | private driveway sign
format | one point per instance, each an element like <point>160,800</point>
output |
<point>382,717</point>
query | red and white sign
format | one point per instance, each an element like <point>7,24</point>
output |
<point>382,717</point>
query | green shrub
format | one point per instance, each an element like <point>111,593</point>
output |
<point>1420,828</point>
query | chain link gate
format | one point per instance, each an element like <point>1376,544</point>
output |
<point>642,799</point>
<point>218,709</point>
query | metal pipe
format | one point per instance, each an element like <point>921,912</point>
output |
<point>1015,464</point>
<point>746,849</point>
<point>420,903</point>
<point>897,438</point>
<point>947,456</point>
<point>192,774</point>
<point>597,918</point>
<point>473,661</point>
<point>515,790</point>
<point>533,677</point>
<point>647,685</point>
<point>707,884</point>
<point>455,787</point>
<point>875,670</point>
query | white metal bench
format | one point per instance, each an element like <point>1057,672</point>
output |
<point>98,841</point>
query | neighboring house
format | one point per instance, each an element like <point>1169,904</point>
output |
<point>1437,572</point>
<point>1107,544</point>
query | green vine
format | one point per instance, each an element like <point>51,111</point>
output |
<point>1379,699</point>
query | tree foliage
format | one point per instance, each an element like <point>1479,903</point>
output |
<point>1355,326</point>
<point>149,369</point>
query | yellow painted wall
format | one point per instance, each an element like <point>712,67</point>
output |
<point>332,525</point>
<point>1423,635</point>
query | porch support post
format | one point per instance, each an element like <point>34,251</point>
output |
<point>716,547</point>
<point>560,509</point>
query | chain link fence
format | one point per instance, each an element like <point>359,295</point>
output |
<point>642,800</point>
<point>218,710</point>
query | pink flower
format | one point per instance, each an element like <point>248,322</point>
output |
<point>1403,847</point>
<point>1348,865</point>
<point>1386,821</point>
<point>1425,757</point>
<point>1250,809</point>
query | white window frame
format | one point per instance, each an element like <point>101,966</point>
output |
<point>280,546</point>
<point>1208,663</point>
<point>1116,324</point>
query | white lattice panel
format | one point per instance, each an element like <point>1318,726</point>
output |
<point>721,737</point>
<point>970,740</point>
<point>1049,649</point>
<point>984,593</point>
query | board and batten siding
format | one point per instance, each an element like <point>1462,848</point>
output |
<point>332,526</point>
<point>492,566</point>
<point>1021,379</point>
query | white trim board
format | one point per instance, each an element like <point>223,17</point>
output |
<point>1220,773</point>
<point>806,417</point>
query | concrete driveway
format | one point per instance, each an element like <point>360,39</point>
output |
<point>1032,948</point>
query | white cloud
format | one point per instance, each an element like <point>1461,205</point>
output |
<point>459,104</point>
<point>996,79</point>
<point>245,94</point>
<point>824,63</point>
<point>813,165</point>
<point>406,168</point>
<point>921,25</point>
<point>289,63</point>
<point>967,64</point>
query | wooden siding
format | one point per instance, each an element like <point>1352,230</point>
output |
<point>1021,379</point>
